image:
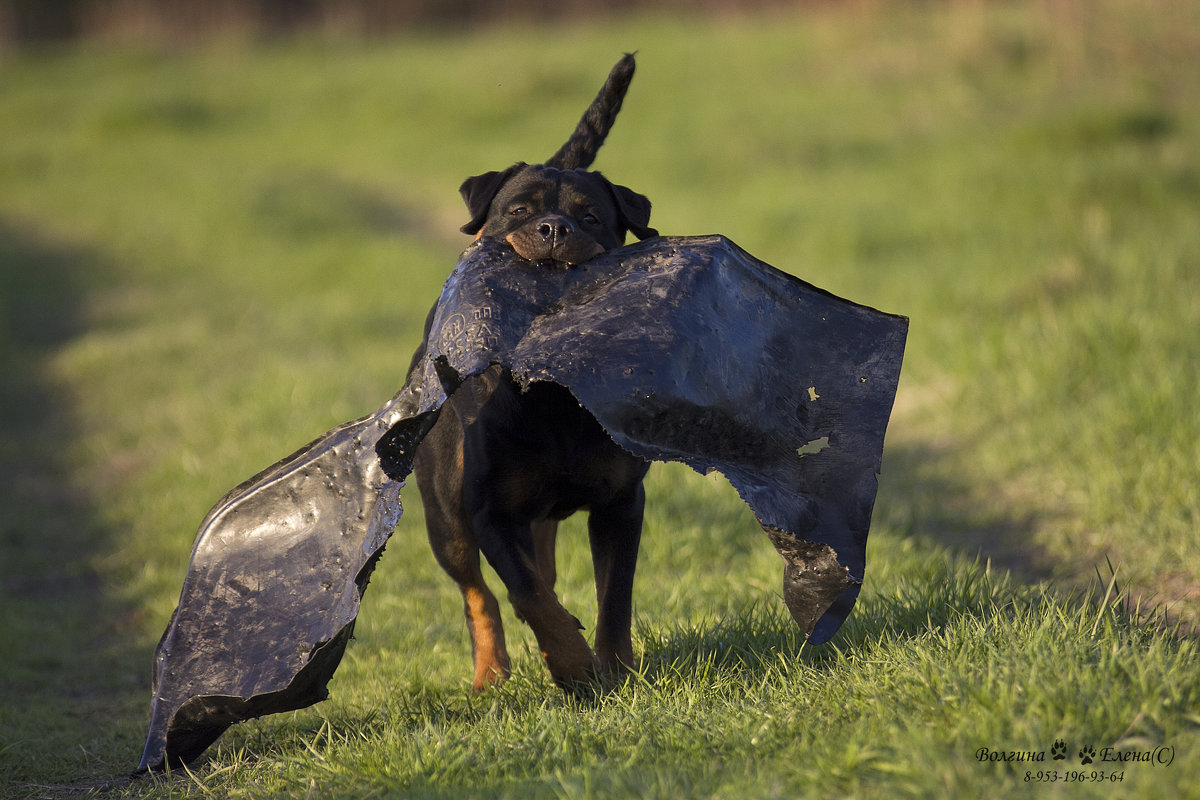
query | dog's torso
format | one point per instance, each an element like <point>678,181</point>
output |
<point>533,454</point>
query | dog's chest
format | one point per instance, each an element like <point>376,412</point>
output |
<point>542,450</point>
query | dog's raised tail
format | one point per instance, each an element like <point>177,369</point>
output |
<point>580,150</point>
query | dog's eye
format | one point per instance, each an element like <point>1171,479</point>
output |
<point>591,219</point>
<point>518,211</point>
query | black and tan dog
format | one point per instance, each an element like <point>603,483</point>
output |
<point>504,464</point>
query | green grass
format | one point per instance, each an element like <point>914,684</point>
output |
<point>207,258</point>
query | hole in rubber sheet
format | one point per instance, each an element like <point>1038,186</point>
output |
<point>813,447</point>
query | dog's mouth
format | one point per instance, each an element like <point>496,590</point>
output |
<point>557,254</point>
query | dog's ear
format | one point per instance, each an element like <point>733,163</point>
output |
<point>478,193</point>
<point>634,209</point>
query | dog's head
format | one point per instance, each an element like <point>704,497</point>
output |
<point>550,214</point>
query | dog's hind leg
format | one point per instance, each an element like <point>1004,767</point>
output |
<point>456,551</point>
<point>487,634</point>
<point>459,557</point>
<point>615,532</point>
<point>488,649</point>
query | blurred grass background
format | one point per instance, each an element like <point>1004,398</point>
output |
<point>214,247</point>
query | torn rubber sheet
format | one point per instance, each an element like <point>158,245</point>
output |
<point>684,348</point>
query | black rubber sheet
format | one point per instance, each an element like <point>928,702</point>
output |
<point>684,348</point>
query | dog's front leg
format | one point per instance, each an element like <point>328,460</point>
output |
<point>509,548</point>
<point>571,662</point>
<point>545,539</point>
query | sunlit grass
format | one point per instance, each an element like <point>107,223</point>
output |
<point>208,258</point>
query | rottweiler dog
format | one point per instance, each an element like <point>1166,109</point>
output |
<point>503,464</point>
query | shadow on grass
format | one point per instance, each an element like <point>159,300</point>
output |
<point>69,672</point>
<point>1007,527</point>
<point>921,496</point>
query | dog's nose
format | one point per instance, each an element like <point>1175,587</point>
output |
<point>555,229</point>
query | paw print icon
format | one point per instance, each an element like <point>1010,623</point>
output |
<point>1059,751</point>
<point>1087,755</point>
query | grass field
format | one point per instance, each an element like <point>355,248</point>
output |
<point>209,257</point>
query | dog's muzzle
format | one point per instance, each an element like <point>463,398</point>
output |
<point>554,238</point>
